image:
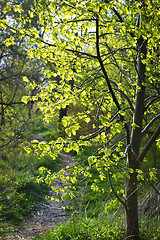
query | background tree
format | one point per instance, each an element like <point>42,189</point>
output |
<point>14,66</point>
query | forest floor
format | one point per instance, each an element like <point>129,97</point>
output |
<point>50,214</point>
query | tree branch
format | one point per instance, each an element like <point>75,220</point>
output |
<point>127,98</point>
<point>114,83</point>
<point>99,106</point>
<point>16,135</point>
<point>114,192</point>
<point>153,100</point>
<point>148,178</point>
<point>145,130</point>
<point>81,53</point>
<point>115,61</point>
<point>103,68</point>
<point>12,103</point>
<point>149,144</point>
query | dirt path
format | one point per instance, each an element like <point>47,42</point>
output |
<point>50,214</point>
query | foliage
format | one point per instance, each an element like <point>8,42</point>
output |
<point>51,135</point>
<point>49,163</point>
<point>34,125</point>
<point>104,58</point>
<point>96,229</point>
<point>20,193</point>
<point>14,67</point>
<point>77,229</point>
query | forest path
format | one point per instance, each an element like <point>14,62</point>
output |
<point>50,215</point>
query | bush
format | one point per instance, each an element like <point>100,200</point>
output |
<point>49,163</point>
<point>50,135</point>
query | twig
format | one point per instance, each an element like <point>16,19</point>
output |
<point>86,209</point>
<point>144,131</point>
<point>149,144</point>
<point>148,178</point>
<point>126,151</point>
<point>99,107</point>
<point>114,192</point>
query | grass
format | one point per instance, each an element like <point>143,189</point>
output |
<point>20,193</point>
<point>76,229</point>
<point>34,125</point>
<point>98,215</point>
<point>50,135</point>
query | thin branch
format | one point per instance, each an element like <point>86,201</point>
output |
<point>153,100</point>
<point>86,209</point>
<point>127,98</point>
<point>121,70</point>
<point>119,49</point>
<point>13,139</point>
<point>11,103</point>
<point>15,135</point>
<point>152,96</point>
<point>145,130</point>
<point>99,107</point>
<point>82,53</point>
<point>148,178</point>
<point>78,20</point>
<point>149,144</point>
<point>95,134</point>
<point>126,151</point>
<point>114,192</point>
<point>132,193</point>
<point>103,68</point>
<point>114,83</point>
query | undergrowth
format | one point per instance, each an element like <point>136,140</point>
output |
<point>20,193</point>
<point>98,215</point>
<point>92,229</point>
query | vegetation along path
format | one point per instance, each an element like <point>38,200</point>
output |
<point>49,215</point>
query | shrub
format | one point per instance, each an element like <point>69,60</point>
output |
<point>50,135</point>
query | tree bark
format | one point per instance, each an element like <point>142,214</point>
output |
<point>2,123</point>
<point>132,225</point>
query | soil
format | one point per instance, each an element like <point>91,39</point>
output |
<point>50,214</point>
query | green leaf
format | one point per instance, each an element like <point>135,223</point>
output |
<point>25,79</point>
<point>17,8</point>
<point>9,41</point>
<point>134,126</point>
<point>26,99</point>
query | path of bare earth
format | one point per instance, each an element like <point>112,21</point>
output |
<point>50,215</point>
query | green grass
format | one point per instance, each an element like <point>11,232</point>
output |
<point>97,215</point>
<point>50,135</point>
<point>20,193</point>
<point>19,196</point>
<point>96,229</point>
<point>76,229</point>
<point>35,125</point>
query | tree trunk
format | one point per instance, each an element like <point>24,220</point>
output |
<point>63,113</point>
<point>2,123</point>
<point>132,225</point>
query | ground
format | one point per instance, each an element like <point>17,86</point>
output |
<point>50,215</point>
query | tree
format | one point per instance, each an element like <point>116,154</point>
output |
<point>14,67</point>
<point>110,49</point>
